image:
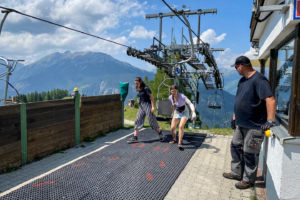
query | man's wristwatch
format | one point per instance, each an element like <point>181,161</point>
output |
<point>270,121</point>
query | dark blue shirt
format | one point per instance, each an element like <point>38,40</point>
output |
<point>144,95</point>
<point>250,108</point>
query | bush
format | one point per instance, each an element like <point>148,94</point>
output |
<point>136,105</point>
<point>205,127</point>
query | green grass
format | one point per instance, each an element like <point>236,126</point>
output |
<point>225,131</point>
<point>131,112</point>
<point>92,139</point>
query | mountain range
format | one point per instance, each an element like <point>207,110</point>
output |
<point>95,73</point>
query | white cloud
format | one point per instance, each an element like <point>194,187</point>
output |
<point>250,53</point>
<point>227,58</point>
<point>30,39</point>
<point>150,67</point>
<point>210,36</point>
<point>142,33</point>
<point>32,47</point>
<point>91,15</point>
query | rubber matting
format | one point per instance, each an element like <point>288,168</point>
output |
<point>144,170</point>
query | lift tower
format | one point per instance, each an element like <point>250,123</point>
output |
<point>174,58</point>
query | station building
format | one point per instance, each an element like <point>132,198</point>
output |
<point>276,38</point>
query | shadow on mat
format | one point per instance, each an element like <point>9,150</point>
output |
<point>189,141</point>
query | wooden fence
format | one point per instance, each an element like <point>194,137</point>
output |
<point>51,126</point>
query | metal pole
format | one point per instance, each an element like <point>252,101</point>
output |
<point>23,120</point>
<point>160,29</point>
<point>195,98</point>
<point>172,37</point>
<point>6,84</point>
<point>198,38</point>
<point>182,41</point>
<point>160,34</point>
<point>122,113</point>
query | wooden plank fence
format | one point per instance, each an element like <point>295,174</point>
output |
<point>51,125</point>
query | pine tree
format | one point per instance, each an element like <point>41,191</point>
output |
<point>48,97</point>
<point>146,80</point>
<point>28,98</point>
<point>32,97</point>
<point>36,96</point>
<point>205,127</point>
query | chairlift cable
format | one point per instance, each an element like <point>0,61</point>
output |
<point>15,11</point>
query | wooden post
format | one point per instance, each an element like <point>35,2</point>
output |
<point>262,66</point>
<point>272,70</point>
<point>23,116</point>
<point>294,116</point>
<point>13,99</point>
<point>77,116</point>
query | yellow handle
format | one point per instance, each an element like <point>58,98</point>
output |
<point>268,133</point>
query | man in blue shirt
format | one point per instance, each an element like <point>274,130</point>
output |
<point>254,111</point>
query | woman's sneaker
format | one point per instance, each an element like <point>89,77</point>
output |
<point>132,140</point>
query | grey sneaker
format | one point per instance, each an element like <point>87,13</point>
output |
<point>132,140</point>
<point>161,136</point>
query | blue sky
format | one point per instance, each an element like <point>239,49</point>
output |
<point>122,21</point>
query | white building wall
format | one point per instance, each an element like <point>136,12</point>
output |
<point>274,164</point>
<point>274,27</point>
<point>283,161</point>
<point>290,180</point>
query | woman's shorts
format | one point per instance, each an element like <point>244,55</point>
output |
<point>185,113</point>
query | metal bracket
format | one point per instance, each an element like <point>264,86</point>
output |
<point>281,8</point>
<point>2,22</point>
<point>286,138</point>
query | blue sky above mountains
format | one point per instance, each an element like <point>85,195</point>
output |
<point>122,21</point>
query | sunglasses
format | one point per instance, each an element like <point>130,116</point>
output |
<point>237,66</point>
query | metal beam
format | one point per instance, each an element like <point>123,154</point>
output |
<point>198,38</point>
<point>217,49</point>
<point>192,12</point>
<point>281,8</point>
<point>160,30</point>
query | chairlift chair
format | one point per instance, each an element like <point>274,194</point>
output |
<point>213,104</point>
<point>164,107</point>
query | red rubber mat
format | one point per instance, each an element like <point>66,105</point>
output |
<point>144,170</point>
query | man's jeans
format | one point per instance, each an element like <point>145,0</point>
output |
<point>245,148</point>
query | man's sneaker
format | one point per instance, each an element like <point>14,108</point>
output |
<point>230,176</point>
<point>161,136</point>
<point>132,140</point>
<point>243,185</point>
